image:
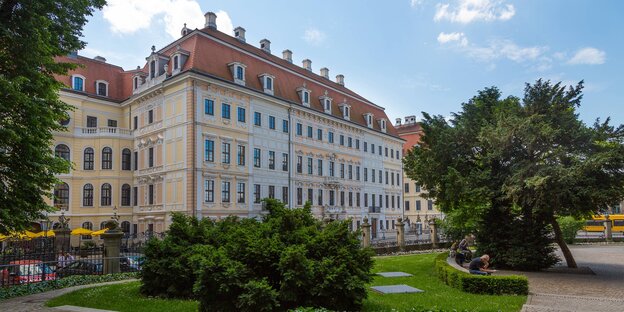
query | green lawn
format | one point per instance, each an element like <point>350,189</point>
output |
<point>437,296</point>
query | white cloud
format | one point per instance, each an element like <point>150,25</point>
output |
<point>416,3</point>
<point>455,36</point>
<point>130,16</point>
<point>588,56</point>
<point>314,36</point>
<point>466,11</point>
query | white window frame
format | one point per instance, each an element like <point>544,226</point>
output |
<point>84,81</point>
<point>264,81</point>
<point>326,103</point>
<point>383,124</point>
<point>369,119</point>
<point>233,68</point>
<point>97,82</point>
<point>302,91</point>
<point>346,111</point>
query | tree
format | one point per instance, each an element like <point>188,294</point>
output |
<point>32,34</point>
<point>512,167</point>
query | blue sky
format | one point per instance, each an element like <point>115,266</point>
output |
<point>408,56</point>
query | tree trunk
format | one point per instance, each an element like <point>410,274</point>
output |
<point>562,244</point>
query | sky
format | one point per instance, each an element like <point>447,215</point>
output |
<point>408,56</point>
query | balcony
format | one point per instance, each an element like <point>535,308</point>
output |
<point>374,209</point>
<point>149,83</point>
<point>332,181</point>
<point>109,132</point>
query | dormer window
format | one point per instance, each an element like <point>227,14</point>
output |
<point>101,88</point>
<point>326,102</point>
<point>152,69</point>
<point>135,83</point>
<point>346,110</point>
<point>176,62</point>
<point>267,82</point>
<point>78,82</point>
<point>382,124</point>
<point>304,95</point>
<point>238,72</point>
<point>369,119</point>
<point>178,58</point>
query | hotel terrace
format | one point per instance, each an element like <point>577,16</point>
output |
<point>209,126</point>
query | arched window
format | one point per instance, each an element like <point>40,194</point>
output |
<point>78,83</point>
<point>125,195</point>
<point>88,160</point>
<point>107,158</point>
<point>62,151</point>
<point>152,69</point>
<point>126,159</point>
<point>106,195</point>
<point>102,88</point>
<point>89,226</point>
<point>103,225</point>
<point>61,196</point>
<point>125,227</point>
<point>87,195</point>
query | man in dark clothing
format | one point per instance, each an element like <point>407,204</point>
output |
<point>480,266</point>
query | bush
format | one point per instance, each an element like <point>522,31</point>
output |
<point>569,227</point>
<point>287,260</point>
<point>70,281</point>
<point>479,284</point>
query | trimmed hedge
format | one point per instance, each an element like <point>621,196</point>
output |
<point>479,284</point>
<point>70,281</point>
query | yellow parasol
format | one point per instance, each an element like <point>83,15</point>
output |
<point>30,234</point>
<point>81,231</point>
<point>48,233</point>
<point>100,232</point>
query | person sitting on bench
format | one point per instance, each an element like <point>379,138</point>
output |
<point>480,266</point>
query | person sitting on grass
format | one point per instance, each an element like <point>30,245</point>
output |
<point>480,266</point>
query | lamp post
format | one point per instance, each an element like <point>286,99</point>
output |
<point>45,224</point>
<point>608,234</point>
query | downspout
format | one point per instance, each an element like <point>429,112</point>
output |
<point>194,183</point>
<point>290,156</point>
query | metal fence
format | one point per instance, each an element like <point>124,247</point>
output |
<point>43,259</point>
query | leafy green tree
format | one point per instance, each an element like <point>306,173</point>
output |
<point>32,34</point>
<point>570,227</point>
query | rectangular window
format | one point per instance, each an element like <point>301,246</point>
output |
<point>225,111</point>
<point>406,187</point>
<point>285,194</point>
<point>373,148</point>
<point>309,165</point>
<point>365,174</point>
<point>417,204</point>
<point>349,142</point>
<point>136,122</point>
<point>350,199</point>
<point>341,140</point>
<point>285,126</point>
<point>241,114</point>
<point>357,144</point>
<point>135,196</point>
<point>386,149</point>
<point>272,160</point>
<point>416,188</point>
<point>373,175</point>
<point>150,157</point>
<point>271,122</point>
<point>239,73</point>
<point>342,171</point>
<point>299,164</point>
<point>257,157</point>
<point>398,201</point>
<point>257,193</point>
<point>319,134</point>
<point>350,171</point>
<point>366,146</point>
<point>78,84</point>
<point>430,204</point>
<point>386,177</point>
<point>209,191</point>
<point>112,123</point>
<point>357,173</point>
<point>342,198</point>
<point>299,129</point>
<point>284,161</point>
<point>241,155</point>
<point>209,107</point>
<point>257,119</point>
<point>332,200</point>
<point>225,153</point>
<point>331,168</point>
<point>320,167</point>
<point>150,194</point>
<point>136,161</point>
<point>91,122</point>
<point>240,192</point>
<point>330,137</point>
<point>150,116</point>
<point>225,192</point>
<point>357,199</point>
<point>209,150</point>
<point>319,197</point>
<point>379,148</point>
<point>391,201</point>
<point>299,196</point>
<point>407,205</point>
<point>310,196</point>
<point>365,199</point>
<point>309,132</point>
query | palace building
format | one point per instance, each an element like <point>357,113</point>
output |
<point>209,126</point>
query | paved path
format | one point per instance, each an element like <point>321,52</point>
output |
<point>37,302</point>
<point>602,291</point>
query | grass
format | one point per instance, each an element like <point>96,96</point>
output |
<point>121,297</point>
<point>437,295</point>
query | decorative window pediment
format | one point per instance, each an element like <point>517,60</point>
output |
<point>382,124</point>
<point>304,95</point>
<point>178,59</point>
<point>238,72</point>
<point>326,102</point>
<point>345,109</point>
<point>268,83</point>
<point>369,119</point>
<point>78,82</point>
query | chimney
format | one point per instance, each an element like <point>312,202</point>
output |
<point>398,122</point>
<point>307,64</point>
<point>185,30</point>
<point>239,33</point>
<point>211,20</point>
<point>100,59</point>
<point>265,45</point>
<point>340,79</point>
<point>287,55</point>
<point>325,72</point>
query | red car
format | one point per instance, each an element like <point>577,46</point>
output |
<point>26,271</point>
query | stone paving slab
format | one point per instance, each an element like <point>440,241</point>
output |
<point>70,308</point>
<point>396,289</point>
<point>394,274</point>
<point>552,302</point>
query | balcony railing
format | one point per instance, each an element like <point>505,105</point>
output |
<point>374,209</point>
<point>332,180</point>
<point>103,131</point>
